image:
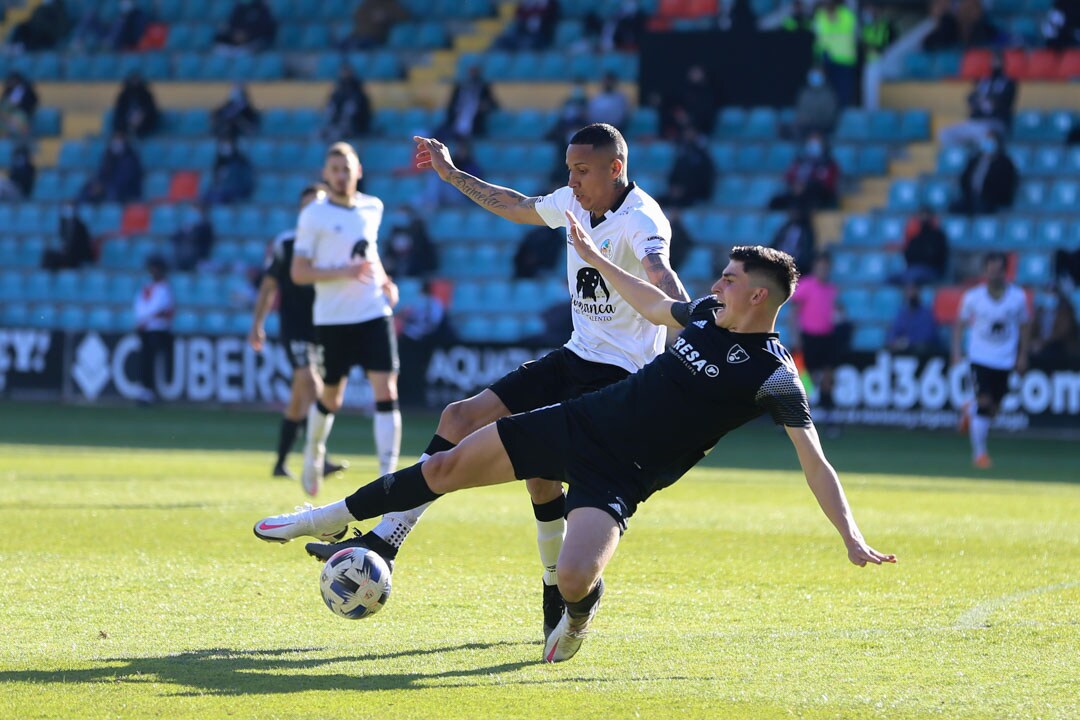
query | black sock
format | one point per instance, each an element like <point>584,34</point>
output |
<point>382,548</point>
<point>395,492</point>
<point>286,438</point>
<point>322,408</point>
<point>551,510</point>
<point>580,608</point>
<point>439,444</point>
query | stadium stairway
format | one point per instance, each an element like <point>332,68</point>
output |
<point>443,65</point>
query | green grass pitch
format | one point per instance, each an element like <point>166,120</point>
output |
<point>133,587</point>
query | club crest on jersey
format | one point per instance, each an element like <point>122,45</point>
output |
<point>692,358</point>
<point>605,248</point>
<point>737,355</point>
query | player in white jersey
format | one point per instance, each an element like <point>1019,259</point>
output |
<point>610,339</point>
<point>995,314</point>
<point>336,249</point>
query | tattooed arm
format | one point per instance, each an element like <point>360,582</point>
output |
<point>662,276</point>
<point>504,202</point>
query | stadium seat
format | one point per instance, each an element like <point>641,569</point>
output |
<point>71,318</point>
<point>903,195</point>
<point>101,319</point>
<point>38,286</point>
<point>1069,67</point>
<point>136,219</point>
<point>67,286</point>
<point>15,314</point>
<point>947,304</point>
<point>975,65</point>
<point>1051,233</point>
<point>868,338</point>
<point>860,230</point>
<point>11,283</point>
<point>42,315</point>
<point>1041,65</point>
<point>184,185</point>
<point>1034,269</point>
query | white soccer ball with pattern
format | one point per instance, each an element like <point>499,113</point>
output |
<point>355,583</point>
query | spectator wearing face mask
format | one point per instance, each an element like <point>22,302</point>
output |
<point>609,105</point>
<point>914,329</point>
<point>237,116</point>
<point>816,108</point>
<point>119,176</point>
<point>411,252</point>
<point>926,251</point>
<point>811,179</point>
<point>76,246</point>
<point>571,116</point>
<point>135,111</point>
<point>991,104</point>
<point>693,174</point>
<point>233,176</point>
<point>251,27</point>
<point>989,180</point>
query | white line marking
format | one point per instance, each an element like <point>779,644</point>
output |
<point>976,617</point>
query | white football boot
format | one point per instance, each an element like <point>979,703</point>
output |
<point>289,526</point>
<point>565,640</point>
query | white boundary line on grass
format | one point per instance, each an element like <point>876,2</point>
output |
<point>976,617</point>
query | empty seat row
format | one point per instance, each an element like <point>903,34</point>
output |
<point>500,295</point>
<point>1029,160</point>
<point>551,66</point>
<point>1010,231</point>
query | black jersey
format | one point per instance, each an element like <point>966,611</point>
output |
<point>295,301</point>
<point>662,420</point>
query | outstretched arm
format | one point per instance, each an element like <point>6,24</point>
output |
<point>504,202</point>
<point>661,275</point>
<point>263,302</point>
<point>649,300</point>
<point>826,487</point>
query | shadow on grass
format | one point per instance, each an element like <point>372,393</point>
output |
<point>221,671</point>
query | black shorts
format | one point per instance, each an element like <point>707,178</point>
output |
<point>301,353</point>
<point>372,345</point>
<point>988,381</point>
<point>819,351</point>
<point>558,376</point>
<point>541,444</point>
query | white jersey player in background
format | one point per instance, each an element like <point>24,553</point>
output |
<point>610,339</point>
<point>996,315</point>
<point>336,250</point>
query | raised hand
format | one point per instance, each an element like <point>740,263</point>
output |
<point>430,153</point>
<point>582,242</point>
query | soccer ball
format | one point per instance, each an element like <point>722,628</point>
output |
<point>355,583</point>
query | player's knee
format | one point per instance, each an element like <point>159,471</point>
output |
<point>576,579</point>
<point>543,491</point>
<point>439,472</point>
<point>457,420</point>
<point>332,404</point>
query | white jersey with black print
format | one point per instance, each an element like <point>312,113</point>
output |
<point>994,325</point>
<point>332,236</point>
<point>606,328</point>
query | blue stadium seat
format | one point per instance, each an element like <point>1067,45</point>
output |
<point>761,124</point>
<point>472,327</point>
<point>749,158</point>
<point>698,265</point>
<point>730,123</point>
<point>11,281</point>
<point>71,318</point>
<point>936,192</point>
<point>873,160</point>
<point>868,338</point>
<point>723,155</point>
<point>857,304</point>
<point>845,266</point>
<point>745,228</point>
<point>846,159</point>
<point>466,297</point>
<point>42,315</point>
<point>1033,195</point>
<point>506,328</point>
<point>67,285</point>
<point>1052,233</point>
<point>643,122</point>
<point>875,267</point>
<point>915,125</point>
<point>919,66</point>
<point>1064,195</point>
<point>951,160</point>
<point>861,230</point>
<point>904,195</point>
<point>1019,232</point>
<point>854,125</point>
<point>985,231</point>
<point>101,319</point>
<point>884,125</point>
<point>886,302</point>
<point>778,156</point>
<point>1034,269</point>
<point>186,322</point>
<point>46,121</point>
<point>1032,125</point>
<point>958,230</point>
<point>123,287</point>
<point>214,322</point>
<point>15,314</point>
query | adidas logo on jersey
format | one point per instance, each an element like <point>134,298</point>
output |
<point>737,355</point>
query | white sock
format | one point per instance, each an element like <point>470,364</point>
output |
<point>388,440</point>
<point>549,537</point>
<point>318,430</point>
<point>396,526</point>
<point>332,517</point>
<point>980,428</point>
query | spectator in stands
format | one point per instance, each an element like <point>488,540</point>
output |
<point>410,252</point>
<point>799,19</point>
<point>926,250</point>
<point>76,245</point>
<point>681,239</point>
<point>251,27</point>
<point>424,320</point>
<point>989,180</point>
<point>372,22</point>
<point>348,110</point>
<point>694,104</point>
<point>470,104</point>
<point>1055,341</point>
<point>796,237</point>
<point>693,174</point>
<point>47,25</point>
<point>816,108</point>
<point>538,252</point>
<point>21,175</point>
<point>991,104</point>
<point>811,178</point>
<point>233,177</point>
<point>914,329</point>
<point>533,26</point>
<point>193,241</point>
<point>876,32</point>
<point>609,105</point>
<point>621,30</point>
<point>961,26</point>
<point>135,112</point>
<point>119,176</point>
<point>1061,26</point>
<point>1067,267</point>
<point>17,105</point>
<point>819,333</point>
<point>154,310</point>
<point>127,28</point>
<point>237,116</point>
<point>571,117</point>
<point>835,29</point>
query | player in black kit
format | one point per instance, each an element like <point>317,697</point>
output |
<point>616,447</point>
<point>297,337</point>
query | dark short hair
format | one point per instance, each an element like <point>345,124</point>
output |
<point>342,149</point>
<point>312,189</point>
<point>995,256</point>
<point>778,267</point>
<point>602,136</point>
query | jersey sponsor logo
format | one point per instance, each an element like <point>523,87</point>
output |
<point>692,358</point>
<point>359,249</point>
<point>737,355</point>
<point>591,286</point>
<point>774,348</point>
